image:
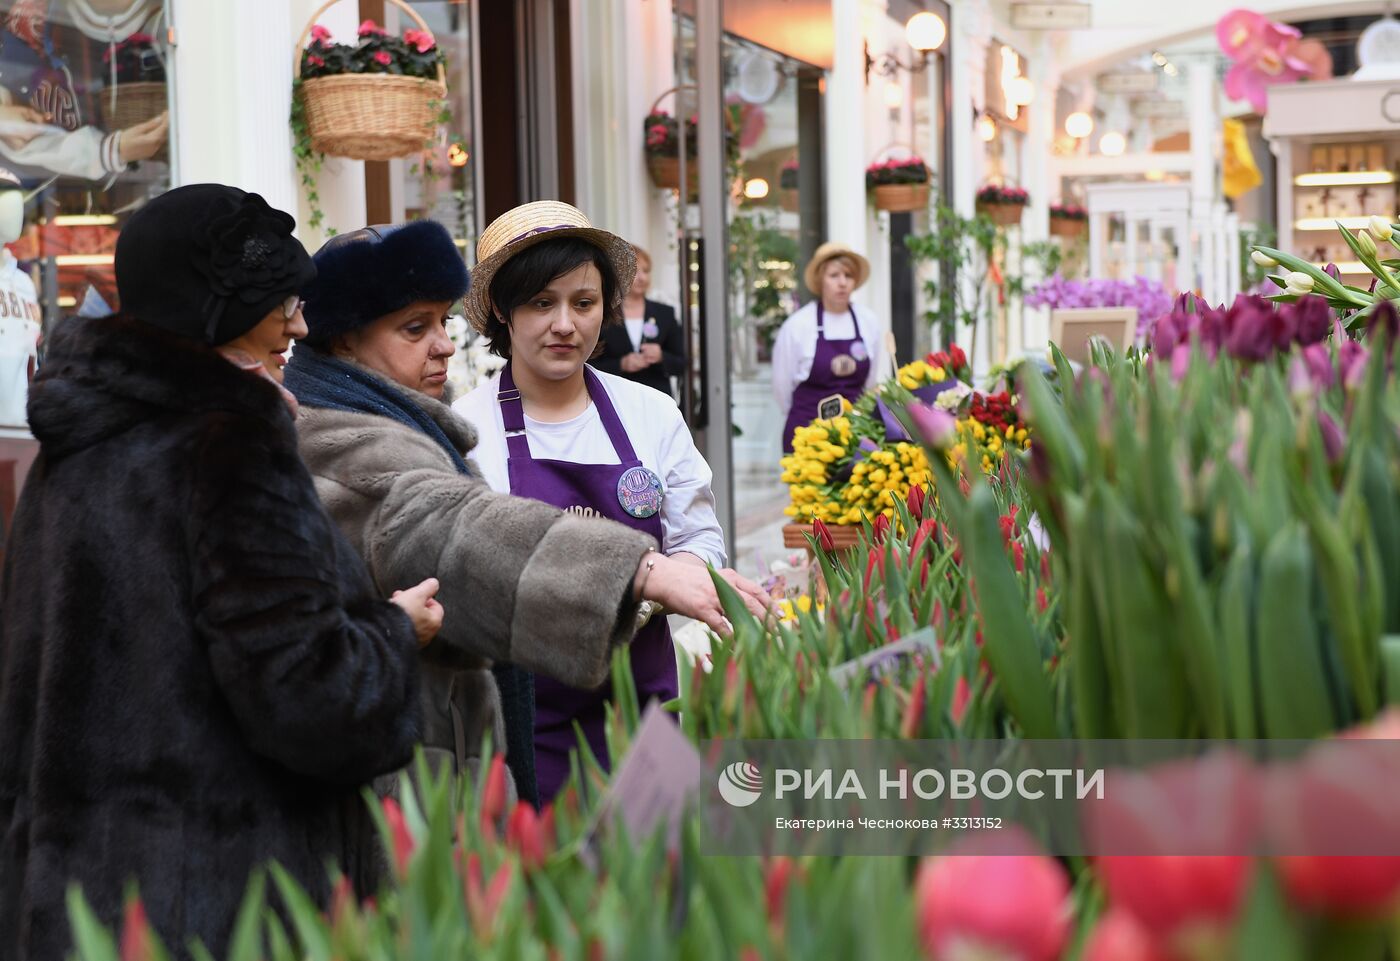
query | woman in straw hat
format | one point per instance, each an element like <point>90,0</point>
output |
<point>823,348</point>
<point>529,588</point>
<point>554,429</point>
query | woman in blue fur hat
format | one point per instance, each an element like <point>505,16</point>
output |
<point>528,587</point>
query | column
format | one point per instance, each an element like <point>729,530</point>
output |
<point>1033,333</point>
<point>970,34</point>
<point>233,100</point>
<point>1205,136</point>
<point>845,129</point>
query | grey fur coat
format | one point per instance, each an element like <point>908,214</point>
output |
<point>521,581</point>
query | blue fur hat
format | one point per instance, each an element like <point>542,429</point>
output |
<point>365,274</point>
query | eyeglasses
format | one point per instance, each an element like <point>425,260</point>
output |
<point>291,306</point>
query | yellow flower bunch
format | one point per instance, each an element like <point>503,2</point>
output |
<point>818,452</point>
<point>788,608</point>
<point>985,445</point>
<point>920,373</point>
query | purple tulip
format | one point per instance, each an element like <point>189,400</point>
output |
<point>1252,328</point>
<point>1315,363</point>
<point>1333,271</point>
<point>1333,441</point>
<point>1384,317</point>
<point>1181,361</point>
<point>1351,358</point>
<point>938,428</point>
<point>1312,318</point>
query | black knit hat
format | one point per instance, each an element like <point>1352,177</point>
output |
<point>209,262</point>
<point>363,275</point>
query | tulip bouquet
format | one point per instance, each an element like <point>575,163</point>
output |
<point>860,464</point>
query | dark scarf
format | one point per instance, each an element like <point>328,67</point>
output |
<point>320,380</point>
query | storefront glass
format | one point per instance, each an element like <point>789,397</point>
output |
<point>84,141</point>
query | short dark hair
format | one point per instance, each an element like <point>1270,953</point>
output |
<point>531,270</point>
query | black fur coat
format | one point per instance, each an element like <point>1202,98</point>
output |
<point>195,676</point>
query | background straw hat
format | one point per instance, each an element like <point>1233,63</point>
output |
<point>523,227</point>
<point>828,250</point>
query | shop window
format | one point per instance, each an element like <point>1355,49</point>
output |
<point>85,141</point>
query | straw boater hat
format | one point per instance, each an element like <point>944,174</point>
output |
<point>521,228</point>
<point>826,252</point>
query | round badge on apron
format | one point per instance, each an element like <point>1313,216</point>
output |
<point>843,365</point>
<point>639,492</point>
<point>858,350</point>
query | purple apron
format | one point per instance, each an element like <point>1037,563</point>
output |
<point>599,487</point>
<point>839,367</point>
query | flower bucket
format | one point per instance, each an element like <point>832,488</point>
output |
<point>1067,227</point>
<point>370,116</point>
<point>845,536</point>
<point>901,198</point>
<point>1004,215</point>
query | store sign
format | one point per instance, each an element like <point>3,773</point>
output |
<point>1158,109</point>
<point>1051,16</point>
<point>1145,82</point>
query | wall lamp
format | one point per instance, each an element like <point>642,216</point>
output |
<point>925,32</point>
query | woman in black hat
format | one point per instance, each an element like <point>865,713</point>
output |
<point>196,676</point>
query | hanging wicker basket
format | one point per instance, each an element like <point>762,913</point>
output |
<point>128,104</point>
<point>1067,227</point>
<point>666,174</point>
<point>370,116</point>
<point>789,199</point>
<point>1004,215</point>
<point>901,198</point>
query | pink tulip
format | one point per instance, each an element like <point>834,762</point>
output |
<point>937,428</point>
<point>1119,937</point>
<point>993,897</point>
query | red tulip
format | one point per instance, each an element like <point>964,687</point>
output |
<point>1119,937</point>
<point>493,796</point>
<point>524,835</point>
<point>484,903</point>
<point>880,527</point>
<point>915,501</point>
<point>914,712</point>
<point>137,941</point>
<point>823,533</point>
<point>962,695</point>
<point>401,839</point>
<point>1174,836</point>
<point>993,897</point>
<point>775,887</point>
<point>1331,807</point>
<point>873,564</point>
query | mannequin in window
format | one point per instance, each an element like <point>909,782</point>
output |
<point>19,310</point>
<point>48,116</point>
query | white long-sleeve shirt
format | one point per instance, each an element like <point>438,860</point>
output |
<point>659,437</point>
<point>19,338</point>
<point>796,346</point>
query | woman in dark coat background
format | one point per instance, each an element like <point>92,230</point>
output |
<point>195,677</point>
<point>649,346</point>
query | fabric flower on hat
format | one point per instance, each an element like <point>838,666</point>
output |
<point>249,251</point>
